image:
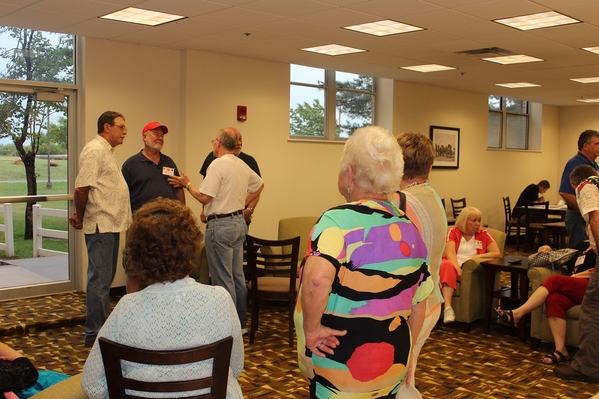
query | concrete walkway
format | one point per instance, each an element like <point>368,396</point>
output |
<point>54,268</point>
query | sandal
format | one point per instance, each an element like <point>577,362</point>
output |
<point>506,316</point>
<point>552,359</point>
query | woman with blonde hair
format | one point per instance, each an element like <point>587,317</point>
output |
<point>466,240</point>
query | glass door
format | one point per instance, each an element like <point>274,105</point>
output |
<point>35,195</point>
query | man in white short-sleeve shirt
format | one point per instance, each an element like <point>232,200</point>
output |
<point>102,211</point>
<point>585,364</point>
<point>230,185</point>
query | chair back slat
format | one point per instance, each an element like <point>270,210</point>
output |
<point>536,212</point>
<point>457,205</point>
<point>113,353</point>
<point>274,262</point>
<point>507,208</point>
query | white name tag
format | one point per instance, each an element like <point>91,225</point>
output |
<point>580,260</point>
<point>168,171</point>
<point>478,244</point>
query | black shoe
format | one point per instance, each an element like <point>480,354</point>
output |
<point>566,372</point>
<point>89,341</point>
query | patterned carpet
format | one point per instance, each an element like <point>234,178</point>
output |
<point>453,364</point>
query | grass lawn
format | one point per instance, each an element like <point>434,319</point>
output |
<point>9,173</point>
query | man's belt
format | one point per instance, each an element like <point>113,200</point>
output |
<point>225,215</point>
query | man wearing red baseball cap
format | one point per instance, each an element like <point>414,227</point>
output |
<point>146,174</point>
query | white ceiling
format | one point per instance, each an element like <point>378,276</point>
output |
<point>279,28</point>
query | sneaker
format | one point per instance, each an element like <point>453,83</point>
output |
<point>244,331</point>
<point>448,315</point>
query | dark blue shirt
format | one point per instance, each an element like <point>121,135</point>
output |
<point>248,159</point>
<point>576,160</point>
<point>146,180</point>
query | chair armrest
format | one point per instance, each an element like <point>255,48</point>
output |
<point>539,328</point>
<point>474,265</point>
<point>469,305</point>
<point>537,275</point>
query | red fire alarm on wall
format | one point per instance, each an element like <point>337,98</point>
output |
<point>242,113</point>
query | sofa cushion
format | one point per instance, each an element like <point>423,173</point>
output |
<point>67,389</point>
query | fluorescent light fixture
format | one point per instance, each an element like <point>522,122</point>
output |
<point>141,16</point>
<point>333,49</point>
<point>592,49</point>
<point>513,59</point>
<point>588,100</point>
<point>383,28</point>
<point>518,85</point>
<point>428,68</point>
<point>537,21</point>
<point>587,80</point>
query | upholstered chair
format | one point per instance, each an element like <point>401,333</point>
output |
<point>469,298</point>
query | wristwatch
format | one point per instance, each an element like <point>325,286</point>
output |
<point>250,209</point>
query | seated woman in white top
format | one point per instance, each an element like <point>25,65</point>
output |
<point>174,312</point>
<point>467,240</point>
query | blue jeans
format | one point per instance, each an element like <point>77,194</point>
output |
<point>575,226</point>
<point>224,250</point>
<point>102,254</point>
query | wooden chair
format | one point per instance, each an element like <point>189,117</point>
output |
<point>536,216</point>
<point>113,353</point>
<point>457,205</point>
<point>273,269</point>
<point>511,225</point>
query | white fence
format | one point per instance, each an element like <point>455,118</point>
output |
<point>9,240</point>
<point>39,232</point>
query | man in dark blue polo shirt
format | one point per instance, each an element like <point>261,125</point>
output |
<point>588,150</point>
<point>146,174</point>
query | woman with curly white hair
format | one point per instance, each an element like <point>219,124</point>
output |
<point>363,281</point>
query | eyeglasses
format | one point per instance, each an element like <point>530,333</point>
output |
<point>122,128</point>
<point>213,140</point>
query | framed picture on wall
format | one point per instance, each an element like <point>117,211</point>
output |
<point>447,146</point>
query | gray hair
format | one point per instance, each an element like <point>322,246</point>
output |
<point>376,159</point>
<point>224,136</point>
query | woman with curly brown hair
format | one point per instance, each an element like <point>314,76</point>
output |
<point>174,312</point>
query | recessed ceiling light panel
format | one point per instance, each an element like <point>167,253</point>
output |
<point>588,100</point>
<point>592,49</point>
<point>517,85</point>
<point>383,28</point>
<point>538,21</point>
<point>143,17</point>
<point>513,59</point>
<point>428,68</point>
<point>333,49</point>
<point>587,80</point>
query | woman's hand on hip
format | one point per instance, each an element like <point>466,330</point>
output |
<point>324,340</point>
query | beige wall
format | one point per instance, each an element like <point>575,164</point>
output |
<point>196,93</point>
<point>572,122</point>
<point>484,176</point>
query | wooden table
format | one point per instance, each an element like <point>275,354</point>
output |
<point>521,211</point>
<point>517,293</point>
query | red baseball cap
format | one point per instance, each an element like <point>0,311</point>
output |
<point>155,125</point>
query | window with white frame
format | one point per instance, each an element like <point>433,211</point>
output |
<point>508,123</point>
<point>327,104</point>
